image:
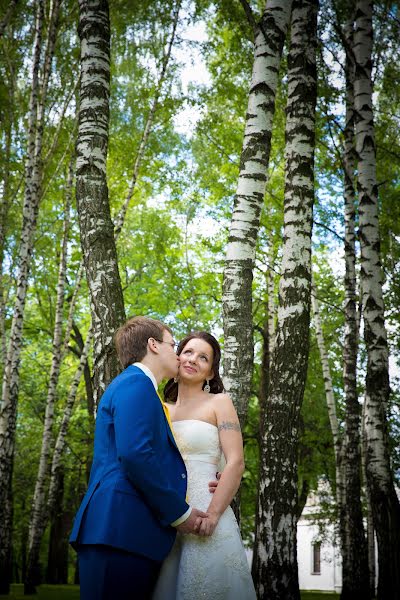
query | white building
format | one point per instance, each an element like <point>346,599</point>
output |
<point>318,548</point>
<point>318,553</point>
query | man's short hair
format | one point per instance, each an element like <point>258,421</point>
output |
<point>131,338</point>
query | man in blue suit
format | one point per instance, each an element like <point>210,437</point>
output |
<point>135,501</point>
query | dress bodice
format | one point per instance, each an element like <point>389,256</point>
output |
<point>197,440</point>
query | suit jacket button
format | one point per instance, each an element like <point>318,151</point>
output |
<point>183,476</point>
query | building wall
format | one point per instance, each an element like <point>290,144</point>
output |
<point>330,576</point>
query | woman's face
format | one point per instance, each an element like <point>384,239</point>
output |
<point>196,361</point>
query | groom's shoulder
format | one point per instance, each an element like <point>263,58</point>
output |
<point>133,376</point>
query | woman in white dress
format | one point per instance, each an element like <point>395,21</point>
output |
<point>212,565</point>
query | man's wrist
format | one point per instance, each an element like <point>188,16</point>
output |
<point>182,518</point>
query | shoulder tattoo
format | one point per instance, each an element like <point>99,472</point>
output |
<point>225,425</point>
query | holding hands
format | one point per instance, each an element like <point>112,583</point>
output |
<point>193,523</point>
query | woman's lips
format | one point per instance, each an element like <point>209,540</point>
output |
<point>189,369</point>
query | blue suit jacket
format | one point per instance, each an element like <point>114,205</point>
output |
<point>138,482</point>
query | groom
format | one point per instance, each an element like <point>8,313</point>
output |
<point>135,502</point>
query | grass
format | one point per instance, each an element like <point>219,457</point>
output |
<point>45,592</point>
<point>319,596</point>
<point>71,592</point>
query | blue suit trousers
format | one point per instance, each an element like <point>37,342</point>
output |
<point>107,573</point>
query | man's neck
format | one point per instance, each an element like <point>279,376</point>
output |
<point>154,368</point>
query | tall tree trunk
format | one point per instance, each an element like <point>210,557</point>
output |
<point>270,35</point>
<point>8,412</point>
<point>4,208</point>
<point>57,560</point>
<point>38,516</point>
<point>262,394</point>
<point>96,227</point>
<point>385,504</point>
<point>330,400</point>
<point>5,20</point>
<point>277,551</point>
<point>56,464</point>
<point>355,572</point>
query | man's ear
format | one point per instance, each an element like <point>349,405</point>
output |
<point>152,346</point>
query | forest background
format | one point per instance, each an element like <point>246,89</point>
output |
<point>180,79</point>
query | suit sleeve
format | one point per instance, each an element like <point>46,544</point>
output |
<point>137,412</point>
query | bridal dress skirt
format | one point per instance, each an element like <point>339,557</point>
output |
<point>214,567</point>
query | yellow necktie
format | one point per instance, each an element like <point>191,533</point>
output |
<point>167,415</point>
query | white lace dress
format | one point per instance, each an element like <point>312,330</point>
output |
<point>212,567</point>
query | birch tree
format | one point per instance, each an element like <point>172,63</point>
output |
<point>96,227</point>
<point>10,384</point>
<point>385,504</point>
<point>38,517</point>
<point>269,37</point>
<point>330,398</point>
<point>277,552</point>
<point>355,576</point>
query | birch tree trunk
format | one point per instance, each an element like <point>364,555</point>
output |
<point>96,227</point>
<point>4,208</point>
<point>270,35</point>
<point>330,399</point>
<point>8,409</point>
<point>38,516</point>
<point>56,464</point>
<point>355,572</point>
<point>385,504</point>
<point>277,552</point>
<point>5,20</point>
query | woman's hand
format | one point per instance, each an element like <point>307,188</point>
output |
<point>208,525</point>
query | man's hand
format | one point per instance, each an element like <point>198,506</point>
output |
<point>193,522</point>
<point>208,525</point>
<point>212,485</point>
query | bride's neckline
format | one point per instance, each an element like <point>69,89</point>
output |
<point>195,420</point>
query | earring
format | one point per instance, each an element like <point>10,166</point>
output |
<point>207,388</point>
<point>175,379</point>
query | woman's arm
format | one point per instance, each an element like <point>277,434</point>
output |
<point>232,446</point>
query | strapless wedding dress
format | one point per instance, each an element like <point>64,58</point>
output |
<point>212,567</point>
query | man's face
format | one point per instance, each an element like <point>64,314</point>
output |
<point>168,357</point>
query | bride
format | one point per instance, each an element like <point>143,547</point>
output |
<point>212,565</point>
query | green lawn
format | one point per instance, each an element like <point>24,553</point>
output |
<point>45,592</point>
<point>71,592</point>
<point>319,596</point>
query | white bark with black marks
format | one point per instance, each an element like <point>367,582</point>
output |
<point>96,227</point>
<point>385,504</point>
<point>38,515</point>
<point>277,542</point>
<point>59,448</point>
<point>355,572</point>
<point>270,35</point>
<point>10,384</point>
